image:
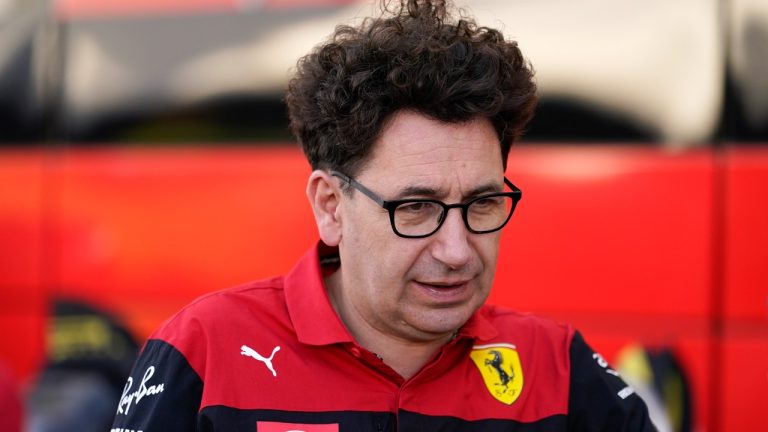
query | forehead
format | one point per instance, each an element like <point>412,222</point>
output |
<point>414,148</point>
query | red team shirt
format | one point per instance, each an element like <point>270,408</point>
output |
<point>273,356</point>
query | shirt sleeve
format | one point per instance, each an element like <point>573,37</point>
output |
<point>162,393</point>
<point>599,399</point>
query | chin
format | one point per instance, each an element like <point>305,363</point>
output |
<point>444,321</point>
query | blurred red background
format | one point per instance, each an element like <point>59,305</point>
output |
<point>631,244</point>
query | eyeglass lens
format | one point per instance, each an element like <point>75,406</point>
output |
<point>418,218</point>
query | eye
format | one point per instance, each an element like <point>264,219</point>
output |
<point>417,218</point>
<point>486,202</point>
<point>418,208</point>
<point>490,205</point>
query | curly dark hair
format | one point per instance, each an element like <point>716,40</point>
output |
<point>413,57</point>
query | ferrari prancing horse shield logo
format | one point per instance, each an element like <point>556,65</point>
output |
<point>500,367</point>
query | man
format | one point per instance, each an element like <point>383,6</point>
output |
<point>406,121</point>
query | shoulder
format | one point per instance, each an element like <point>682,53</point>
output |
<point>569,375</point>
<point>217,317</point>
<point>184,354</point>
<point>228,305</point>
<point>599,398</point>
<point>536,352</point>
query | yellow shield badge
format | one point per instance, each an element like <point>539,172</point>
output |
<point>500,367</point>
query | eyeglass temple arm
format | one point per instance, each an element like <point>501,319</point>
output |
<point>512,186</point>
<point>369,193</point>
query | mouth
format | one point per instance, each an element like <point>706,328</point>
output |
<point>443,285</point>
<point>445,291</point>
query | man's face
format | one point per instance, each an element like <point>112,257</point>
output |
<point>425,288</point>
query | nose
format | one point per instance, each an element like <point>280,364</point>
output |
<point>451,242</point>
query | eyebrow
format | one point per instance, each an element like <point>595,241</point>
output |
<point>413,191</point>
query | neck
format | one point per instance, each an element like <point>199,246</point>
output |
<point>403,356</point>
<point>406,355</point>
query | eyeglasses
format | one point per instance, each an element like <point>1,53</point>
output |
<point>418,218</point>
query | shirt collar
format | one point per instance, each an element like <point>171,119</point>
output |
<point>315,320</point>
<point>309,307</point>
<point>479,327</point>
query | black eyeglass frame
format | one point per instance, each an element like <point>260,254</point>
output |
<point>515,194</point>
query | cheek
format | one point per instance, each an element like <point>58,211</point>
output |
<point>487,249</point>
<point>360,230</point>
<point>398,256</point>
<point>369,241</point>
<point>396,263</point>
<point>384,258</point>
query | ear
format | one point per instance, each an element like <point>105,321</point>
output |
<point>324,197</point>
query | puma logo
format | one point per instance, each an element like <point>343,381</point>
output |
<point>247,351</point>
